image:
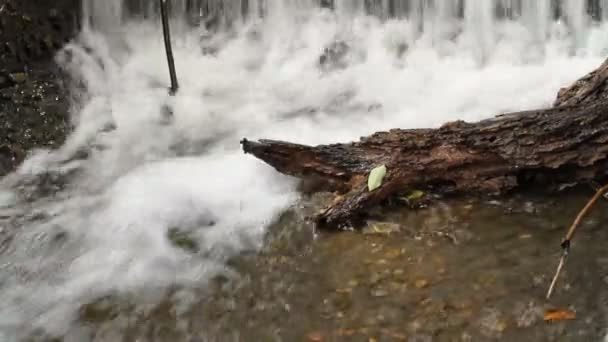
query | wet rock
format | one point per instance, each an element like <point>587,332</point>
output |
<point>379,292</point>
<point>334,56</point>
<point>183,240</point>
<point>103,309</point>
<point>31,115</point>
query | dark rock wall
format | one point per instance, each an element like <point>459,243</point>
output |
<point>34,102</point>
<point>32,30</point>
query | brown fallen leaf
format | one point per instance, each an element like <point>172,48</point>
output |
<point>315,337</point>
<point>559,315</point>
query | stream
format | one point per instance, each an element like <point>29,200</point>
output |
<point>150,224</point>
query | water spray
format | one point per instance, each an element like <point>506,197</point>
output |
<point>164,14</point>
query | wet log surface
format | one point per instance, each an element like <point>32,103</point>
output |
<point>562,145</point>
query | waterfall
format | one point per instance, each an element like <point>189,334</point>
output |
<point>479,23</point>
<point>441,20</point>
<point>576,15</point>
<point>103,15</point>
<point>445,19</point>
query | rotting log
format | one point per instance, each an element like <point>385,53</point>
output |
<point>564,144</point>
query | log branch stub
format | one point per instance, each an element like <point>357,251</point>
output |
<point>590,88</point>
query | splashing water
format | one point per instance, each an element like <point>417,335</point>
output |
<point>250,69</point>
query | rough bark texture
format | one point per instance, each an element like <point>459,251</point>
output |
<point>563,144</point>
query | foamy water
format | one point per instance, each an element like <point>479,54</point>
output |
<point>151,174</point>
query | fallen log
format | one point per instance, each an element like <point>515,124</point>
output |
<point>564,144</point>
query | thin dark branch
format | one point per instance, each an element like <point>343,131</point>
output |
<point>167,35</point>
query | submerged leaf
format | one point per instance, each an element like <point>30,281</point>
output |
<point>375,178</point>
<point>559,315</point>
<point>415,195</point>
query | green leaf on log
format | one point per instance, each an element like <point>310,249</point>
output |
<point>374,181</point>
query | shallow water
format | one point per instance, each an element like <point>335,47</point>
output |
<point>459,270</point>
<point>152,192</point>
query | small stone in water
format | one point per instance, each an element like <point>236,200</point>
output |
<point>421,283</point>
<point>379,293</point>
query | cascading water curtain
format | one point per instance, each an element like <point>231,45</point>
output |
<point>578,13</point>
<point>478,21</point>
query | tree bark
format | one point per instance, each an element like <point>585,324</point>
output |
<point>565,144</point>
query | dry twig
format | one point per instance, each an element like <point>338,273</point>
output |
<point>568,238</point>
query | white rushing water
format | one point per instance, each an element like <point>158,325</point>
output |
<point>414,65</point>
